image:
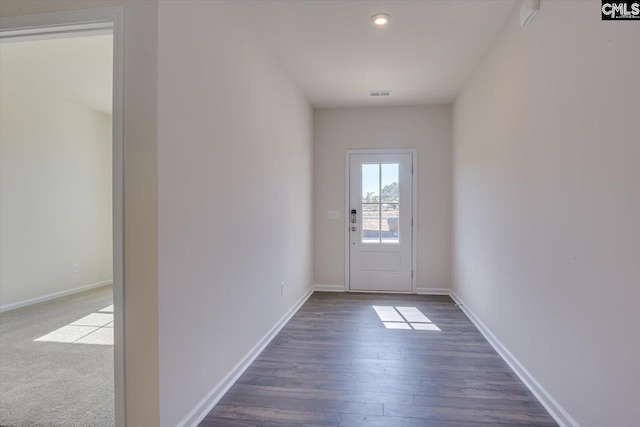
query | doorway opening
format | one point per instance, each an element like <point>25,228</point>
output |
<point>61,297</point>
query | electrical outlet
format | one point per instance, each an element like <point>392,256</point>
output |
<point>75,267</point>
<point>282,289</point>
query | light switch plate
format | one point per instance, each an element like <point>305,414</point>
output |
<point>333,215</point>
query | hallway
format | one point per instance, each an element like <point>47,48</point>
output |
<point>336,364</point>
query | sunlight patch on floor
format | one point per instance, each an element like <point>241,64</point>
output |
<point>95,328</point>
<point>404,318</point>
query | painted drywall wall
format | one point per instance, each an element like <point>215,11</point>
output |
<point>547,205</point>
<point>426,128</point>
<point>235,199</point>
<point>55,182</point>
<point>140,195</point>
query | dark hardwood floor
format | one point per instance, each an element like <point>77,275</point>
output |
<point>336,364</point>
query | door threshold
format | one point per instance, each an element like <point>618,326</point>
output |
<point>365,291</point>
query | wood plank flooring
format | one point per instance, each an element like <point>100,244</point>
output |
<point>336,364</point>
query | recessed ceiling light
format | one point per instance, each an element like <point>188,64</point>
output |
<point>380,19</point>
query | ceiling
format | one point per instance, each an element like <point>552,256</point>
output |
<point>329,47</point>
<point>78,69</point>
<point>336,55</point>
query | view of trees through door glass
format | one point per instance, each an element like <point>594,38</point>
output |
<point>380,203</point>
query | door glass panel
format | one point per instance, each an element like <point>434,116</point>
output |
<point>370,223</point>
<point>371,183</point>
<point>389,182</point>
<point>380,203</point>
<point>390,222</point>
<point>390,206</point>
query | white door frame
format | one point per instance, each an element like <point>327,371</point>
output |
<point>57,24</point>
<point>414,208</point>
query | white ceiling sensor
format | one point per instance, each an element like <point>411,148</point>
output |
<point>528,10</point>
<point>379,93</point>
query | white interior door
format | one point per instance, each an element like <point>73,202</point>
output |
<point>380,222</point>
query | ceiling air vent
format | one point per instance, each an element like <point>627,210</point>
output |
<point>379,93</point>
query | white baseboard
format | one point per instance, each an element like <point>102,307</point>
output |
<point>54,296</point>
<point>433,291</point>
<point>419,291</point>
<point>197,414</point>
<point>558,413</point>
<point>329,288</point>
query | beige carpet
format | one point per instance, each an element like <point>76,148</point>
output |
<point>56,363</point>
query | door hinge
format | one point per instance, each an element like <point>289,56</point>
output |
<point>412,274</point>
<point>412,222</point>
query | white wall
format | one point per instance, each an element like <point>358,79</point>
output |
<point>426,128</point>
<point>547,205</point>
<point>55,182</point>
<point>235,181</point>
